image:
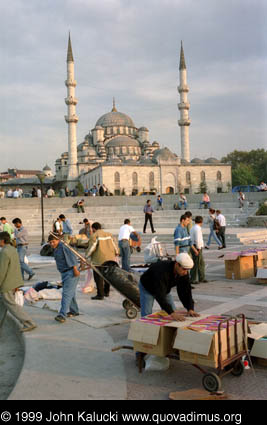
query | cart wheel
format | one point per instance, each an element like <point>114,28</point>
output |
<point>238,369</point>
<point>211,382</point>
<point>131,313</point>
<point>126,304</point>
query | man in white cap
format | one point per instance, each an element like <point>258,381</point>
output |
<point>156,284</point>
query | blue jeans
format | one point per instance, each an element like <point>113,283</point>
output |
<point>214,235</point>
<point>68,302</point>
<point>182,203</point>
<point>147,300</point>
<point>22,251</point>
<point>206,204</point>
<point>125,255</point>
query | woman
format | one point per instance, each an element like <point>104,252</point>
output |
<point>212,224</point>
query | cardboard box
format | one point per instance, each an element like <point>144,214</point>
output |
<point>258,333</point>
<point>155,334</point>
<point>202,347</point>
<point>240,268</point>
<point>262,275</point>
<point>262,258</point>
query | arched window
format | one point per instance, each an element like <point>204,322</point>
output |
<point>188,177</point>
<point>135,180</point>
<point>202,176</point>
<point>117,179</point>
<point>151,180</point>
<point>219,176</point>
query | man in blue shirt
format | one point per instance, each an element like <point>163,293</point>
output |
<point>67,265</point>
<point>182,240</point>
<point>67,229</point>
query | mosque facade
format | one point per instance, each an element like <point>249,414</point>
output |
<point>120,155</point>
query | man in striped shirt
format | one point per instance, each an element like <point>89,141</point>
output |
<point>182,240</point>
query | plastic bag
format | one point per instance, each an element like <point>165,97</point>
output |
<point>31,295</point>
<point>153,251</point>
<point>88,284</point>
<point>155,363</point>
<point>19,298</point>
<point>26,261</point>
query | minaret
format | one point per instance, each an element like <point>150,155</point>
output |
<point>183,106</point>
<point>71,118</point>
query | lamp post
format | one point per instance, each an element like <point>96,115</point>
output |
<point>41,178</point>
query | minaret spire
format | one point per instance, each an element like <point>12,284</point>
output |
<point>114,106</point>
<point>183,106</point>
<point>71,118</point>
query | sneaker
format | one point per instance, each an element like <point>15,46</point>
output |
<point>28,328</point>
<point>206,247</point>
<point>154,231</point>
<point>97,297</point>
<point>203,281</point>
<point>60,319</point>
<point>31,276</point>
<point>70,314</point>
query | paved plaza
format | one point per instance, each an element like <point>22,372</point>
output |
<point>74,360</point>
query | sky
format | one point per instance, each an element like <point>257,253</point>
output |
<point>129,49</point>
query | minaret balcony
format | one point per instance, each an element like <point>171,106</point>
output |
<point>183,89</point>
<point>70,83</point>
<point>183,105</point>
<point>70,100</point>
<point>72,118</point>
<point>184,122</point>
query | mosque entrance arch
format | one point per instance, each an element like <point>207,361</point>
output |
<point>170,190</point>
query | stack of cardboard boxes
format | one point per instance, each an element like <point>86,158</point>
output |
<point>244,264</point>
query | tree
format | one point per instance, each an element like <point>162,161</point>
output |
<point>248,167</point>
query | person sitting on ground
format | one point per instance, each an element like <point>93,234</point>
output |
<point>205,201</point>
<point>50,193</point>
<point>10,281</point>
<point>182,201</point>
<point>86,230</point>
<point>263,187</point>
<point>159,203</point>
<point>80,206</point>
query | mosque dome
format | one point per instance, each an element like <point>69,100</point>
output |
<point>212,161</point>
<point>197,161</point>
<point>163,154</point>
<point>142,129</point>
<point>115,118</point>
<point>47,168</point>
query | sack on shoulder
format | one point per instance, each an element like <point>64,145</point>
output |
<point>216,225</point>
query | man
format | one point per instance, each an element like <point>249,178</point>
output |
<point>2,193</point>
<point>197,252</point>
<point>190,224</point>
<point>22,242</point>
<point>80,206</point>
<point>16,194</point>
<point>148,210</point>
<point>7,227</point>
<point>182,201</point>
<point>67,229</point>
<point>182,240</point>
<point>86,230</point>
<point>102,248</point>
<point>156,284</point>
<point>124,244</point>
<point>205,201</point>
<point>222,222</point>
<point>159,203</point>
<point>39,193</point>
<point>9,193</point>
<point>10,280</point>
<point>67,265</point>
<point>50,193</point>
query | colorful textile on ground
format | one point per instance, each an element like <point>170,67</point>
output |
<point>160,318</point>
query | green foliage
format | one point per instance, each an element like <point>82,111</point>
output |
<point>80,188</point>
<point>203,187</point>
<point>248,167</point>
<point>262,210</point>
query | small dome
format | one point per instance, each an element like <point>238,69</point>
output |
<point>184,161</point>
<point>164,154</point>
<point>122,141</point>
<point>197,161</point>
<point>98,127</point>
<point>47,168</point>
<point>212,161</point>
<point>142,129</point>
<point>145,160</point>
<point>155,143</point>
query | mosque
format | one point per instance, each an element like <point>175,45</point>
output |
<point>119,154</point>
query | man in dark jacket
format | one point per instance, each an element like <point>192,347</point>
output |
<point>156,284</point>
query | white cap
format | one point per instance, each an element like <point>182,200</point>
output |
<point>184,260</point>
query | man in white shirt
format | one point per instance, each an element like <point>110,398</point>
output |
<point>39,193</point>
<point>222,223</point>
<point>15,193</point>
<point>124,245</point>
<point>9,193</point>
<point>196,253</point>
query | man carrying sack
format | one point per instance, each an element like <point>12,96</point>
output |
<point>10,280</point>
